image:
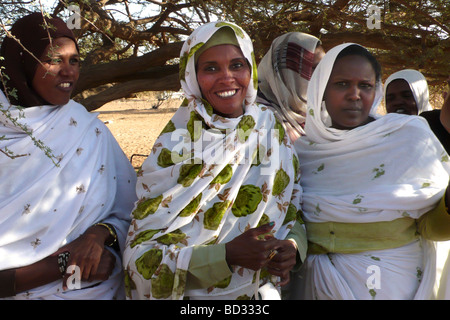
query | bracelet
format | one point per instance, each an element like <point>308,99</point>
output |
<point>63,260</point>
<point>112,232</point>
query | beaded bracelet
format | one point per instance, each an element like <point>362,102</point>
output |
<point>63,260</point>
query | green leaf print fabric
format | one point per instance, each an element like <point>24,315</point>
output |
<point>207,180</point>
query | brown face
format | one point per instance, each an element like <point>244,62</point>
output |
<point>56,77</point>
<point>350,92</point>
<point>223,75</point>
<point>400,99</point>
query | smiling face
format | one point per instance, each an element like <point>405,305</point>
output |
<point>400,99</point>
<point>350,92</point>
<point>55,79</point>
<point>223,76</point>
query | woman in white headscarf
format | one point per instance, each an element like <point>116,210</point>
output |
<point>406,92</point>
<point>367,190</point>
<point>284,73</point>
<point>218,194</point>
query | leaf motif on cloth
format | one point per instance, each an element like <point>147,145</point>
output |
<point>148,262</point>
<point>189,172</point>
<point>245,128</point>
<point>358,199</point>
<point>279,131</point>
<point>378,171</point>
<point>146,207</point>
<point>247,200</point>
<point>143,236</point>
<point>162,284</point>
<point>213,216</point>
<point>319,169</point>
<point>280,183</point>
<point>317,210</point>
<point>173,237</point>
<point>192,207</point>
<point>195,126</point>
<point>224,176</point>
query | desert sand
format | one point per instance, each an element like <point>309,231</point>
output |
<point>136,125</point>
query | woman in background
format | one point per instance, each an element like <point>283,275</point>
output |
<point>284,73</point>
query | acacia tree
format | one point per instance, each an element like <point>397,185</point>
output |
<point>129,46</point>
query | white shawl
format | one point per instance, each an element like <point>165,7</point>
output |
<point>44,206</point>
<point>202,185</point>
<point>391,168</point>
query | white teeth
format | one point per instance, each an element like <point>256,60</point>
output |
<point>227,94</point>
<point>65,84</point>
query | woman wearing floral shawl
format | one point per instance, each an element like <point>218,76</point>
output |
<point>219,188</point>
<point>368,192</point>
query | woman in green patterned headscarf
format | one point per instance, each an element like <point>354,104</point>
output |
<point>219,192</point>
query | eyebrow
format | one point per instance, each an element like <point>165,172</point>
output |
<point>232,60</point>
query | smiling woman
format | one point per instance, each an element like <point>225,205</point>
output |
<point>73,213</point>
<point>199,225</point>
<point>56,77</point>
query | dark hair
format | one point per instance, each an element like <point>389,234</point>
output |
<point>356,50</point>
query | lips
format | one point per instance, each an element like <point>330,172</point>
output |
<point>65,85</point>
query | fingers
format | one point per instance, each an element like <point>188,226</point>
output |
<point>263,232</point>
<point>90,269</point>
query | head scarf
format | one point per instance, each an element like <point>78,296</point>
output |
<point>383,157</point>
<point>372,173</point>
<point>418,85</point>
<point>203,184</point>
<point>19,65</point>
<point>284,73</point>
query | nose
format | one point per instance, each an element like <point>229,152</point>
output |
<point>226,75</point>
<point>354,93</point>
<point>68,69</point>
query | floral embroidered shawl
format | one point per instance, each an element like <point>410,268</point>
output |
<point>207,180</point>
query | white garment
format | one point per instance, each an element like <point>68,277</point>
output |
<point>418,85</point>
<point>390,168</point>
<point>44,205</point>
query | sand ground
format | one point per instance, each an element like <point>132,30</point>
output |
<point>136,125</point>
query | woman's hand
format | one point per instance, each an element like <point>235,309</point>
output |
<point>88,252</point>
<point>283,261</point>
<point>252,248</point>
